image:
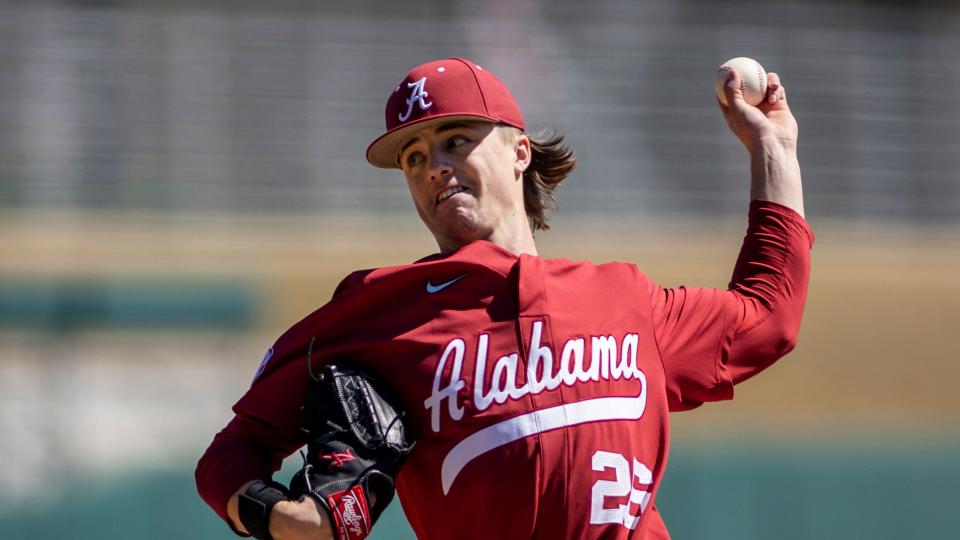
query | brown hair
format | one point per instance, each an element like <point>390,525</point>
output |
<point>551,162</point>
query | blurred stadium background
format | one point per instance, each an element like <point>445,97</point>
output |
<point>180,181</point>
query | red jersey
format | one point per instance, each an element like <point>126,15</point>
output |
<point>539,389</point>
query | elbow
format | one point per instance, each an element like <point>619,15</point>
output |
<point>762,345</point>
<point>205,482</point>
<point>785,336</point>
<point>228,462</point>
<point>200,474</point>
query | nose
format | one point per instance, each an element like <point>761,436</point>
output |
<point>438,166</point>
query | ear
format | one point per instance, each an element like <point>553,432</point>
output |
<point>523,154</point>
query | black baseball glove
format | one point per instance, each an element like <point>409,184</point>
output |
<point>356,443</point>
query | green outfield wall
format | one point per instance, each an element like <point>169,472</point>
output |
<point>757,491</point>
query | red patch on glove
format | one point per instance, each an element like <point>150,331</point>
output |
<point>351,513</point>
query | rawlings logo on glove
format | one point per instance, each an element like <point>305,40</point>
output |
<point>350,513</point>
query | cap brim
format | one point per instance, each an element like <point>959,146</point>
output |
<point>383,151</point>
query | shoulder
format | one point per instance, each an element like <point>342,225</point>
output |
<point>351,281</point>
<point>605,269</point>
<point>608,276</point>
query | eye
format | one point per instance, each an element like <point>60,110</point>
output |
<point>413,159</point>
<point>456,140</point>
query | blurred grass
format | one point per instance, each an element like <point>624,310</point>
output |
<point>876,349</point>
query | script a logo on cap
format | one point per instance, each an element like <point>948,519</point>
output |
<point>418,96</point>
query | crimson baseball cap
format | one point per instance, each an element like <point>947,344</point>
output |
<point>441,91</point>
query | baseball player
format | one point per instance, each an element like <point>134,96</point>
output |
<point>535,392</point>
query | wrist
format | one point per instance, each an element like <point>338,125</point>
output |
<point>775,176</point>
<point>300,519</point>
<point>256,504</point>
<point>768,145</point>
<point>278,516</point>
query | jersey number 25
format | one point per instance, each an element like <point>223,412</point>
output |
<point>620,486</point>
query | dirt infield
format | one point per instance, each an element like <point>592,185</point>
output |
<point>876,351</point>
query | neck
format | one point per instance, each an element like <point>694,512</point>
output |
<point>515,241</point>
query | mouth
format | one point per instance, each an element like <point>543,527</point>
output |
<point>449,192</point>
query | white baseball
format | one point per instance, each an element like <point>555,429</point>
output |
<point>753,79</point>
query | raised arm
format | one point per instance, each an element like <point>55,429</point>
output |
<point>711,339</point>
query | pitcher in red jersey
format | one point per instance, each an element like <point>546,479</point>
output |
<point>540,389</point>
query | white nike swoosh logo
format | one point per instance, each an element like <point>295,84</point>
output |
<point>541,421</point>
<point>431,288</point>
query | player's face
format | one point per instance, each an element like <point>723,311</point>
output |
<point>466,179</point>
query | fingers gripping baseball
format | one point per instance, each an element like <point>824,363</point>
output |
<point>768,121</point>
<point>775,91</point>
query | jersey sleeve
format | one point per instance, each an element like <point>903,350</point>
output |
<point>266,425</point>
<point>711,339</point>
<point>248,448</point>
